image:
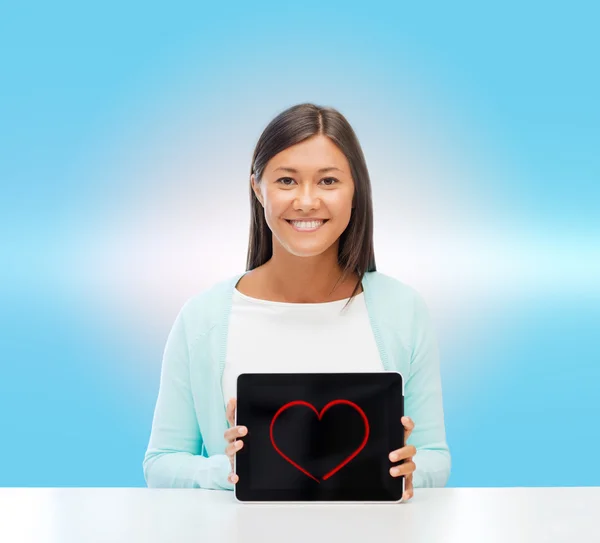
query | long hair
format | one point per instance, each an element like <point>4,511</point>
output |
<point>296,124</point>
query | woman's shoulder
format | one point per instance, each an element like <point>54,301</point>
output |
<point>205,308</point>
<point>397,303</point>
<point>386,287</point>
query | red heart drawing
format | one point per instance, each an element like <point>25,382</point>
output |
<point>320,415</point>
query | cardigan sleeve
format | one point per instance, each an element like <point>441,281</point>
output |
<point>423,404</point>
<point>174,457</point>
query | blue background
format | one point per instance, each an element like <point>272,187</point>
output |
<point>126,133</point>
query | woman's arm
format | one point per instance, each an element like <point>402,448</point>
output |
<point>423,403</point>
<point>174,455</point>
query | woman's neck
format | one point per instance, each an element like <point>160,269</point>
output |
<point>307,281</point>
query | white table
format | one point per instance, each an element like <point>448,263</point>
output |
<point>449,515</point>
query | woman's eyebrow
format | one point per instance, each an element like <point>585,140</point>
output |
<point>320,170</point>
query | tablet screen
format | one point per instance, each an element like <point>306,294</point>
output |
<point>322,437</point>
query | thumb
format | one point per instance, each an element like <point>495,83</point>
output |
<point>409,426</point>
<point>231,405</point>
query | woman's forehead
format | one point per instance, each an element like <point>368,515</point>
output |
<point>311,156</point>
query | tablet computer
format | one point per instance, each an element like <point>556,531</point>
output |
<point>319,437</point>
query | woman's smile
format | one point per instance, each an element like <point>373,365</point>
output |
<point>306,226</point>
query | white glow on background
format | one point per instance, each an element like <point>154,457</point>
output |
<point>174,217</point>
<point>142,260</point>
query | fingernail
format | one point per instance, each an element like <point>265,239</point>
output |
<point>238,444</point>
<point>241,430</point>
<point>393,457</point>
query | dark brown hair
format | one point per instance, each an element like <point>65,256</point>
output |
<point>296,124</point>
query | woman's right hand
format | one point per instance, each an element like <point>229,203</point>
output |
<point>232,435</point>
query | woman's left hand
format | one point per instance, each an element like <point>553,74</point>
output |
<point>408,466</point>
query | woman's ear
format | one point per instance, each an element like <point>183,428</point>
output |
<point>256,189</point>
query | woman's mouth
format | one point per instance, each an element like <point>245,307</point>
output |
<point>307,226</point>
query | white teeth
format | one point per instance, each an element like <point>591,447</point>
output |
<point>308,225</point>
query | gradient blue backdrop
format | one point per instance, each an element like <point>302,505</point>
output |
<point>126,132</point>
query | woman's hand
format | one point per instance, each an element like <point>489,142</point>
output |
<point>232,435</point>
<point>408,467</point>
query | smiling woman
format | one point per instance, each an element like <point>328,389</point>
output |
<point>310,300</point>
<point>326,191</point>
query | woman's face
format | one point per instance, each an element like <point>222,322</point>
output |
<point>309,181</point>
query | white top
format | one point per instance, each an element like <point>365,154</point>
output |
<point>284,337</point>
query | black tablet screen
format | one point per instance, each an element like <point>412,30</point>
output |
<point>319,436</point>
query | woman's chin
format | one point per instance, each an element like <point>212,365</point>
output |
<point>307,249</point>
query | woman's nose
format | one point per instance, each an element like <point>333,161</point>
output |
<point>307,198</point>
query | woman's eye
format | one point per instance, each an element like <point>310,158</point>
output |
<point>284,181</point>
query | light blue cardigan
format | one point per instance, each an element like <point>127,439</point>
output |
<point>187,447</point>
